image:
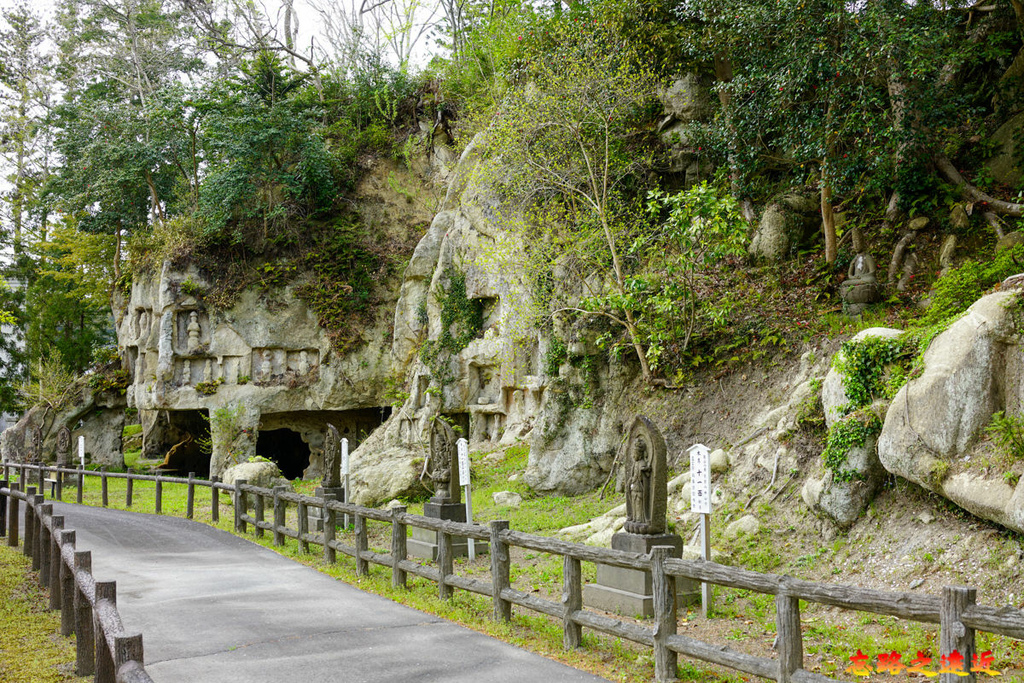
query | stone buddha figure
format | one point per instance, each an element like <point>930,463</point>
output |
<point>194,330</point>
<point>860,287</point>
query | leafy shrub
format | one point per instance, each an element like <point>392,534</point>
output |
<point>961,287</point>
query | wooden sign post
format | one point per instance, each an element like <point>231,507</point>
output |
<point>700,502</point>
<point>344,474</point>
<point>463,449</point>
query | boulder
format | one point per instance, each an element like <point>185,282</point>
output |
<point>747,525</point>
<point>688,98</point>
<point>507,499</point>
<point>1004,166</point>
<point>780,231</point>
<point>264,474</point>
<point>1010,240</point>
<point>844,501</point>
<point>933,425</point>
<point>719,461</point>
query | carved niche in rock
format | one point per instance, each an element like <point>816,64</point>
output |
<point>646,481</point>
<point>444,464</point>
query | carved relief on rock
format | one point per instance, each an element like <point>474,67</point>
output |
<point>646,481</point>
<point>63,446</point>
<point>332,458</point>
<point>443,464</point>
<point>194,331</point>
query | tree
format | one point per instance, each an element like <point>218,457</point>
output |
<point>848,95</point>
<point>577,141</point>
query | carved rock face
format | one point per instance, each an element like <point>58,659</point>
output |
<point>646,482</point>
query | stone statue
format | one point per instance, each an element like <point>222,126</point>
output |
<point>646,482</point>
<point>303,363</point>
<point>140,367</point>
<point>444,463</point>
<point>194,330</point>
<point>332,458</point>
<point>208,371</point>
<point>37,444</point>
<point>860,287</point>
<point>266,369</point>
<point>143,327</point>
<point>186,373</point>
<point>64,446</point>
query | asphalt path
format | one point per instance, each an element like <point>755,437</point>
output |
<point>215,607</point>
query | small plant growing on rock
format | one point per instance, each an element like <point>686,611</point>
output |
<point>209,388</point>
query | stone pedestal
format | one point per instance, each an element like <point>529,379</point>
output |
<point>316,515</point>
<point>629,592</point>
<point>424,541</point>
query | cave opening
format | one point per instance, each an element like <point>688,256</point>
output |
<point>286,448</point>
<point>178,437</point>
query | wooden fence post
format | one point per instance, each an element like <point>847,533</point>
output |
<point>158,495</point>
<point>955,636</point>
<point>445,563</point>
<point>214,499</point>
<point>362,545</point>
<point>81,484</point>
<point>4,484</point>
<point>43,544</point>
<point>39,533</point>
<point>30,523</point>
<point>59,476</point>
<point>789,634</point>
<point>127,649</point>
<point>330,529</point>
<point>85,655</point>
<point>12,519</point>
<point>500,567</point>
<point>57,529</point>
<point>399,547</point>
<point>572,601</point>
<point>280,518</point>
<point>67,586</point>
<point>190,499</point>
<point>259,513</point>
<point>41,475</point>
<point>303,527</point>
<point>239,506</point>
<point>128,489</point>
<point>103,486</point>
<point>105,673</point>
<point>664,589</point>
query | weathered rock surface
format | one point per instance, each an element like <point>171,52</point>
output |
<point>933,425</point>
<point>263,474</point>
<point>844,501</point>
<point>782,229</point>
<point>507,499</point>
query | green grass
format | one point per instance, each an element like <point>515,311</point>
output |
<point>33,651</point>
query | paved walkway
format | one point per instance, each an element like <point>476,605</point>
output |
<point>214,607</point>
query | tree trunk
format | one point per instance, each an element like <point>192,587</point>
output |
<point>828,221</point>
<point>974,194</point>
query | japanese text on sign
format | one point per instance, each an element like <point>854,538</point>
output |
<point>892,663</point>
<point>344,456</point>
<point>700,479</point>
<point>463,447</point>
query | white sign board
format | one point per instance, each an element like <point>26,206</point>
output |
<point>700,479</point>
<point>344,456</point>
<point>81,451</point>
<point>463,448</point>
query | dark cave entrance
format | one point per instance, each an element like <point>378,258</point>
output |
<point>286,448</point>
<point>177,437</point>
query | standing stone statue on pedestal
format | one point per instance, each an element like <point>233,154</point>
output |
<point>63,446</point>
<point>330,482</point>
<point>443,468</point>
<point>628,591</point>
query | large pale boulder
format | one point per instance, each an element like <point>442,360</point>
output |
<point>1004,165</point>
<point>844,501</point>
<point>262,473</point>
<point>933,425</point>
<point>781,229</point>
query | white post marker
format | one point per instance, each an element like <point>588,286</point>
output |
<point>463,448</point>
<point>81,452</point>
<point>700,502</point>
<point>344,474</point>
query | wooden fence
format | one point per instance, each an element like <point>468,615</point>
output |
<point>88,607</point>
<point>955,609</point>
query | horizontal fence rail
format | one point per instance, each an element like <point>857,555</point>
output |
<point>88,607</point>
<point>264,509</point>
